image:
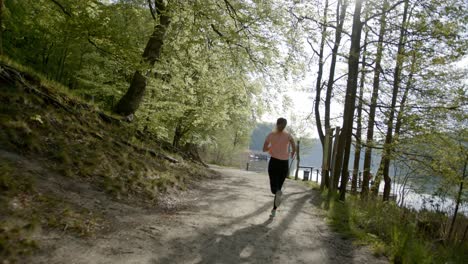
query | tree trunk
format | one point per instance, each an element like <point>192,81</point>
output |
<point>409,84</point>
<point>326,160</point>
<point>340,17</point>
<point>62,62</point>
<point>351,88</point>
<point>357,151</point>
<point>132,99</point>
<point>298,160</point>
<point>333,182</point>
<point>459,195</point>
<point>178,134</point>
<point>373,104</point>
<point>385,162</point>
<point>318,84</point>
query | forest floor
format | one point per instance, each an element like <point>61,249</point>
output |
<point>221,220</point>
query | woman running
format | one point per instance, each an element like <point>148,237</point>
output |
<point>277,144</point>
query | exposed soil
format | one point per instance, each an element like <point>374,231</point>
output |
<point>222,220</point>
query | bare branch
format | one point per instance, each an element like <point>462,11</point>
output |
<point>386,11</point>
<point>66,12</point>
<point>151,9</point>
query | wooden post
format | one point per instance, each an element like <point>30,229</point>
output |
<point>298,158</point>
<point>316,179</point>
<point>247,167</point>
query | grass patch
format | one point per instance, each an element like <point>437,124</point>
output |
<point>79,144</point>
<point>72,140</point>
<point>24,211</point>
<point>392,231</point>
<point>311,184</point>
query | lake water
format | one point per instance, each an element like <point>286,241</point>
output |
<point>412,199</point>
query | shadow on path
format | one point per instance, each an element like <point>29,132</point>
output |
<point>255,243</point>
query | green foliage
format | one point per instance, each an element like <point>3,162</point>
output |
<point>92,47</point>
<point>204,83</point>
<point>442,154</point>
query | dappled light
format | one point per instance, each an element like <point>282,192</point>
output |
<point>233,131</point>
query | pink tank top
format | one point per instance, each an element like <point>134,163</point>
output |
<point>279,143</point>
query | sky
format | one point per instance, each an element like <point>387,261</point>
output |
<point>294,100</point>
<point>300,110</point>
<point>301,93</point>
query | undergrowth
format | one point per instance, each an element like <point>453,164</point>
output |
<point>71,139</point>
<point>392,231</point>
<point>80,144</point>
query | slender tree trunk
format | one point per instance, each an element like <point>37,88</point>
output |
<point>62,63</point>
<point>373,103</point>
<point>462,240</point>
<point>459,195</point>
<point>409,84</point>
<point>130,102</point>
<point>178,134</point>
<point>385,162</point>
<point>333,182</point>
<point>236,139</point>
<point>326,160</point>
<point>357,153</point>
<point>351,88</point>
<point>318,84</point>
<point>341,7</point>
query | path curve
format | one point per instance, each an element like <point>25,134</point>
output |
<point>227,221</point>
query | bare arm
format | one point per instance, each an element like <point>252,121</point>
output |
<point>293,145</point>
<point>266,145</point>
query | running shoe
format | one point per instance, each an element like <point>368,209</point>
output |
<point>273,213</point>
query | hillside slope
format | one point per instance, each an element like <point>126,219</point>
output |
<point>65,165</point>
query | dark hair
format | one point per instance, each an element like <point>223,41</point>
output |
<point>281,121</point>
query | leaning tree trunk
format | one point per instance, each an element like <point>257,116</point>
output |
<point>351,88</point>
<point>386,156</point>
<point>318,84</point>
<point>357,152</point>
<point>373,103</point>
<point>340,16</point>
<point>132,99</point>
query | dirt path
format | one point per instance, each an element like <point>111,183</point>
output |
<point>227,222</point>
